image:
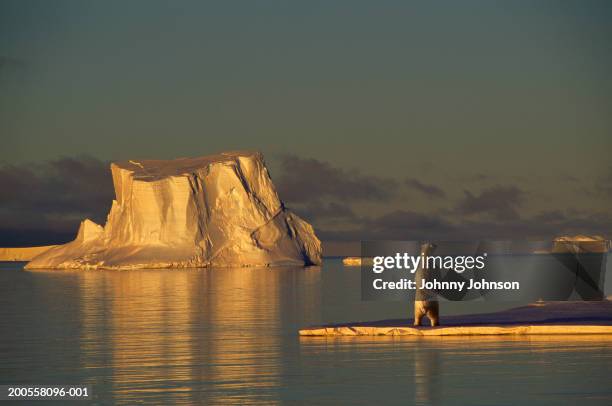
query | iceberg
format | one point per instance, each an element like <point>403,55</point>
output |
<point>581,244</point>
<point>22,253</point>
<point>214,211</point>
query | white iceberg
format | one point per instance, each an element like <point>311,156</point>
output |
<point>22,253</point>
<point>220,210</point>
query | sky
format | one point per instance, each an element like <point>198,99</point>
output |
<point>385,120</point>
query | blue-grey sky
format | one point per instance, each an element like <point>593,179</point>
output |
<point>465,97</point>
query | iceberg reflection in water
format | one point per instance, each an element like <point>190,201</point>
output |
<point>230,336</point>
<point>193,335</point>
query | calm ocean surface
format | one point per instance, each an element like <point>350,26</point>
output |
<point>227,336</point>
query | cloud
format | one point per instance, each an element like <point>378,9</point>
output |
<point>550,216</point>
<point>44,203</point>
<point>568,177</point>
<point>543,226</point>
<point>330,198</point>
<point>51,198</point>
<point>410,225</point>
<point>501,202</point>
<point>603,186</point>
<point>305,180</point>
<point>394,225</point>
<point>331,211</point>
<point>406,224</point>
<point>428,190</point>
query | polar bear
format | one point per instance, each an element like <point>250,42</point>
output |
<point>429,308</point>
<point>425,302</point>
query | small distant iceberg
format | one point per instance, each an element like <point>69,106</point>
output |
<point>577,244</point>
<point>23,253</point>
<point>581,244</point>
<point>356,261</point>
<point>351,261</point>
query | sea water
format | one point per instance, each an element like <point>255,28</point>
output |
<point>207,336</point>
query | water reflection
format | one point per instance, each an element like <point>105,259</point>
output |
<point>196,335</point>
<point>426,368</point>
<point>137,327</point>
<point>434,370</point>
<point>230,336</point>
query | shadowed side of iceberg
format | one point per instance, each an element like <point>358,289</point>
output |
<point>221,210</point>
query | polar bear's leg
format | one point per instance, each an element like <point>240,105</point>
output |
<point>432,313</point>
<point>419,312</point>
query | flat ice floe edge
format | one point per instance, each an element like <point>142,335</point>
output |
<point>457,331</point>
<point>541,318</point>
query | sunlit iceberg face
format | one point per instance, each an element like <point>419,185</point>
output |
<point>220,210</point>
